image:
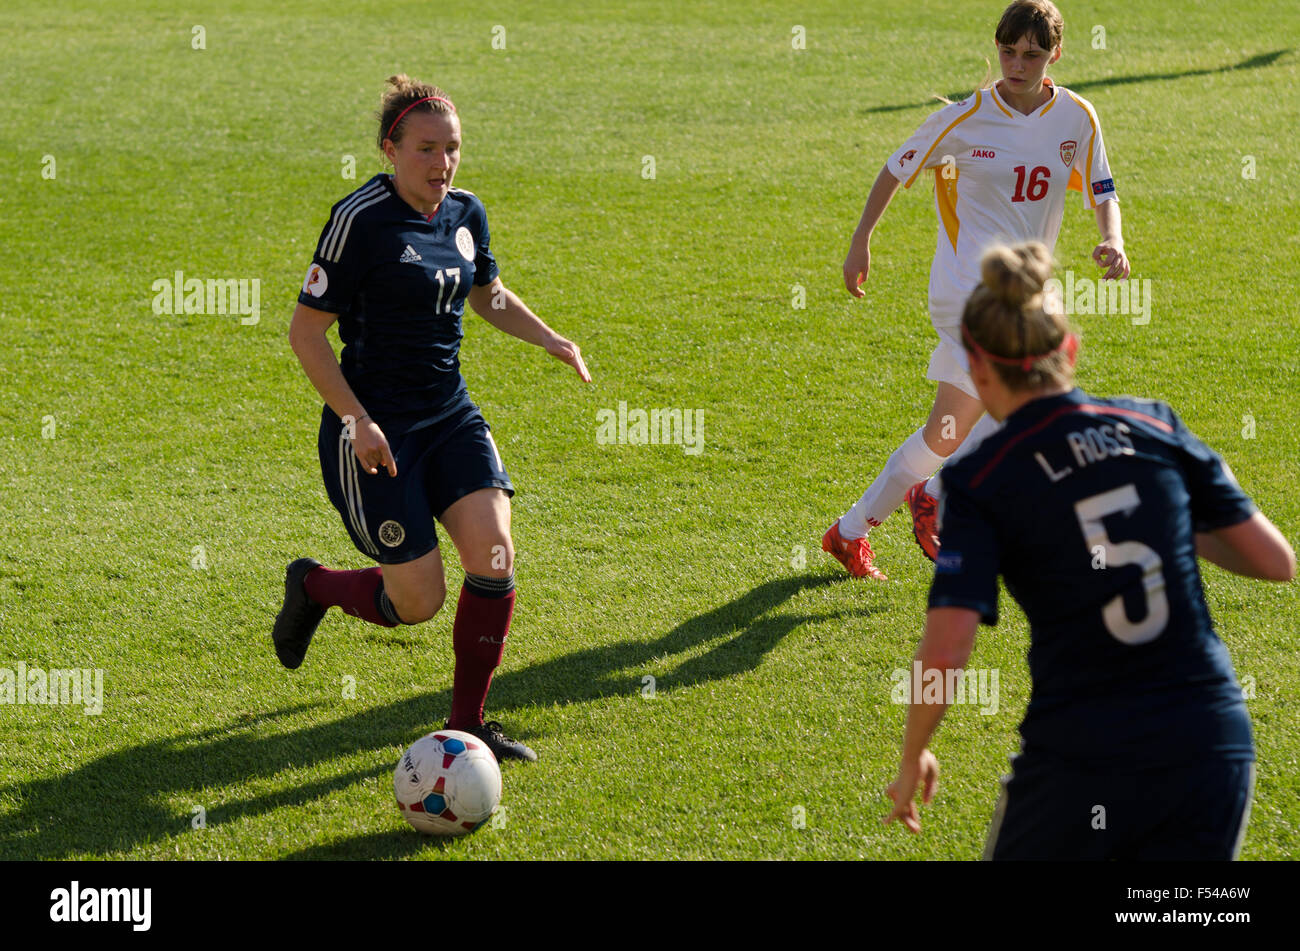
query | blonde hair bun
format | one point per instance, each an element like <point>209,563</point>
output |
<point>1016,274</point>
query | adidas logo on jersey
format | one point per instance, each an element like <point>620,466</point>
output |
<point>409,256</point>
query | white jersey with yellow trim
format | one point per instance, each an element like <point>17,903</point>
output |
<point>1000,177</point>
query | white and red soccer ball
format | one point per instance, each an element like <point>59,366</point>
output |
<point>447,783</point>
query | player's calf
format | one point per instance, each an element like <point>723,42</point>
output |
<point>478,637</point>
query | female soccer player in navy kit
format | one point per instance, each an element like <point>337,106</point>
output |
<point>1136,743</point>
<point>1002,160</point>
<point>401,444</point>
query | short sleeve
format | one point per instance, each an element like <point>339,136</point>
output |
<point>1218,501</point>
<point>338,265</point>
<point>966,571</point>
<point>1091,164</point>
<point>921,150</point>
<point>485,265</point>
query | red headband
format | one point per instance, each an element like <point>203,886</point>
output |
<point>1026,363</point>
<point>413,105</point>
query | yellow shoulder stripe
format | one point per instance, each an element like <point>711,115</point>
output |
<point>1087,175</point>
<point>961,118</point>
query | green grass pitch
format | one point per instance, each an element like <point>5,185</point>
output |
<point>158,471</point>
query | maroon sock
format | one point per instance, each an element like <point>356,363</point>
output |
<point>478,637</point>
<point>359,593</point>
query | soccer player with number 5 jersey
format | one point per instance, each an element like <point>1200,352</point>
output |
<point>1136,743</point>
<point>1002,161</point>
<point>401,444</point>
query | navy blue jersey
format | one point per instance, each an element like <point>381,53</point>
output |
<point>398,282</point>
<point>1088,508</point>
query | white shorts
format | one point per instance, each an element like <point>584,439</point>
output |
<point>950,364</point>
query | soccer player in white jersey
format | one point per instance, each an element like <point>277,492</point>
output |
<point>1002,160</point>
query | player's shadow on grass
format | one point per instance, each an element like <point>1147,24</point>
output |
<point>740,633</point>
<point>388,845</point>
<point>150,792</point>
<point>1255,62</point>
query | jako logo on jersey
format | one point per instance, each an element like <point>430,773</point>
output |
<point>409,256</point>
<point>465,243</point>
<point>1067,151</point>
<point>907,157</point>
<point>983,153</point>
<point>316,281</point>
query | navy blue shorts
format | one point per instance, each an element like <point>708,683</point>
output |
<point>1053,810</point>
<point>392,519</point>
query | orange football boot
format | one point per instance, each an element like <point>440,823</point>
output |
<point>853,553</point>
<point>925,521</point>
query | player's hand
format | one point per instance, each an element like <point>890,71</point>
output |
<point>924,769</point>
<point>1110,254</point>
<point>371,447</point>
<point>856,267</point>
<point>567,351</point>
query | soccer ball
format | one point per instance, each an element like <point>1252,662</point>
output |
<point>447,783</point>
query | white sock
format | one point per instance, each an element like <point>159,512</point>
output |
<point>910,463</point>
<point>985,425</point>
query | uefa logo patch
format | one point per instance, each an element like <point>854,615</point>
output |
<point>465,243</point>
<point>316,281</point>
<point>948,563</point>
<point>391,533</point>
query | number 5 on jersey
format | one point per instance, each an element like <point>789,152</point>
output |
<point>1090,512</point>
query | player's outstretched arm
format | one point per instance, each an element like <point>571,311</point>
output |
<point>307,337</point>
<point>858,263</point>
<point>1110,252</point>
<point>1254,548</point>
<point>948,641</point>
<point>502,308</point>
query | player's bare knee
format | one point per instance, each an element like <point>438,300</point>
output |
<point>495,560</point>
<point>502,562</point>
<point>416,608</point>
<point>434,598</point>
<point>417,612</point>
